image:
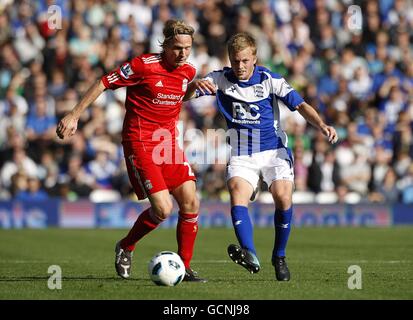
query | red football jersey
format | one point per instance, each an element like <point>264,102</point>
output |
<point>154,95</point>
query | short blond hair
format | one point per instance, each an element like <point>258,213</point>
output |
<point>173,28</point>
<point>241,41</point>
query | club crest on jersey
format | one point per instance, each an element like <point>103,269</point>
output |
<point>148,185</point>
<point>126,71</point>
<point>184,84</point>
<point>259,90</point>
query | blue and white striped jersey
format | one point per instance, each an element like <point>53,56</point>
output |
<point>251,108</point>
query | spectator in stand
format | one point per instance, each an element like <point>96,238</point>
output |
<point>405,185</point>
<point>20,162</point>
<point>34,191</point>
<point>387,191</point>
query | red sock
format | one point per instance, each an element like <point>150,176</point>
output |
<point>145,223</point>
<point>186,232</point>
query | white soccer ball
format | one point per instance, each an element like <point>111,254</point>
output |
<point>166,268</point>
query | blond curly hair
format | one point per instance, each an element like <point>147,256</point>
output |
<point>173,28</point>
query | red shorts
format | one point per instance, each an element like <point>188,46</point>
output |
<point>148,176</point>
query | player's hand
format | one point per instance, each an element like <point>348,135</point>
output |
<point>67,126</point>
<point>330,133</point>
<point>205,87</point>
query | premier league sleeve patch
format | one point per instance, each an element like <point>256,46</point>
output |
<point>184,85</point>
<point>126,71</point>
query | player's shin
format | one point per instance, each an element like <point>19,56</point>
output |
<point>243,227</point>
<point>186,232</point>
<point>145,223</point>
<point>282,222</point>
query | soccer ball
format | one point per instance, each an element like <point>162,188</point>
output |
<point>166,268</point>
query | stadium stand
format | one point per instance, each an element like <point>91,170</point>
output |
<point>361,82</point>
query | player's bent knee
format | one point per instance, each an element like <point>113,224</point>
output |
<point>283,203</point>
<point>162,214</point>
<point>234,186</point>
<point>195,204</point>
<point>163,211</point>
<point>237,192</point>
<point>190,205</point>
<point>240,197</point>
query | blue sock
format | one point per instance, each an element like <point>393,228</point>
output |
<point>243,227</point>
<point>282,223</point>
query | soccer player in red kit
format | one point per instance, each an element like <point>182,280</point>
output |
<point>156,85</point>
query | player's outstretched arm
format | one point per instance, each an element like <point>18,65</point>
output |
<point>68,125</point>
<point>205,87</point>
<point>309,114</point>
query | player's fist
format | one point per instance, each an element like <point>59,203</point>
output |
<point>205,87</point>
<point>67,126</point>
<point>330,133</point>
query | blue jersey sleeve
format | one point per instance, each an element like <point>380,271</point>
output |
<point>283,91</point>
<point>212,77</point>
<point>292,100</point>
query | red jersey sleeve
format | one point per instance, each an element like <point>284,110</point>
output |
<point>192,72</point>
<point>128,74</point>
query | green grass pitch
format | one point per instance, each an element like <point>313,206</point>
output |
<point>318,259</point>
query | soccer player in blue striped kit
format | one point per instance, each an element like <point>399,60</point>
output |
<point>247,96</point>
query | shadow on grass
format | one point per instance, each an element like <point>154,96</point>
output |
<point>70,278</point>
<point>143,281</point>
<point>226,280</point>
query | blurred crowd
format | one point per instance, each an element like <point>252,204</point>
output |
<point>359,77</point>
